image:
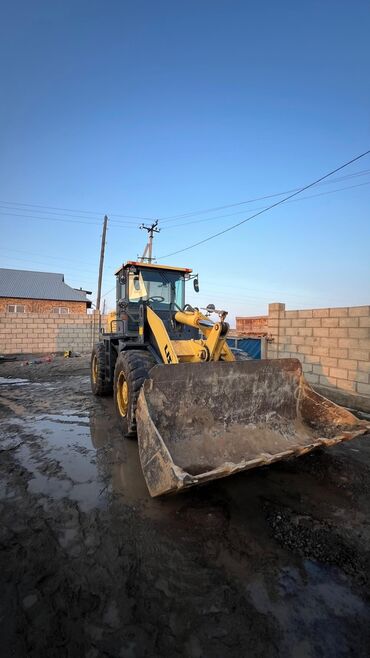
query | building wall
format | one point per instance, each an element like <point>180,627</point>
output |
<point>252,325</point>
<point>41,305</point>
<point>333,345</point>
<point>40,333</point>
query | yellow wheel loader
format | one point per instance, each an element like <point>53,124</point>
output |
<point>199,411</point>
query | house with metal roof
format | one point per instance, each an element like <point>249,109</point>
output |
<point>24,291</point>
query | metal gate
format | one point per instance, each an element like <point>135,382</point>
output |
<point>252,346</point>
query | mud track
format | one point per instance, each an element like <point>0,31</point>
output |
<point>273,562</point>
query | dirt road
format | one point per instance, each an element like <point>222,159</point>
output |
<point>274,562</point>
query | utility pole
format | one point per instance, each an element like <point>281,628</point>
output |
<point>101,263</point>
<point>149,247</point>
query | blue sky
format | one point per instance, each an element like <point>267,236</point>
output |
<point>156,109</point>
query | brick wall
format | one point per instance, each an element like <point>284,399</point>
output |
<point>34,333</point>
<point>252,325</point>
<point>41,305</point>
<point>333,345</point>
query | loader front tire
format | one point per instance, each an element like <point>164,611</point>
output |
<point>132,369</point>
<point>99,384</point>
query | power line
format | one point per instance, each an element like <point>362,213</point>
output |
<point>35,253</point>
<point>63,220</point>
<point>87,212</point>
<point>273,205</point>
<point>63,215</point>
<point>309,196</point>
<point>21,207</point>
<point>108,291</point>
<point>260,198</point>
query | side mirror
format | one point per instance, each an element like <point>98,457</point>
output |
<point>196,284</point>
<point>122,279</point>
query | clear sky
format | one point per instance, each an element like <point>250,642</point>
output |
<point>160,108</point>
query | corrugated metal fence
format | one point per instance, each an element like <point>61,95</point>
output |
<point>252,346</point>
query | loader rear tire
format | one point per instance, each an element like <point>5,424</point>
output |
<point>132,369</point>
<point>99,384</point>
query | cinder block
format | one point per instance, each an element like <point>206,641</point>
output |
<point>338,312</point>
<point>299,323</point>
<point>313,322</point>
<point>289,331</point>
<point>359,311</point>
<point>312,378</point>
<point>307,367</point>
<point>330,322</point>
<point>338,352</point>
<point>360,355</point>
<point>363,366</point>
<point>305,349</point>
<point>357,376</point>
<point>339,373</point>
<point>276,306</point>
<point>320,313</point>
<point>349,364</point>
<point>297,340</point>
<point>292,315</point>
<point>321,332</point>
<point>365,322</point>
<point>321,351</point>
<point>348,343</point>
<point>363,389</point>
<point>346,385</point>
<point>320,370</point>
<point>273,323</point>
<point>311,358</point>
<point>360,332</point>
<point>339,332</point>
<point>285,323</point>
<point>349,322</point>
<point>304,331</point>
<point>305,314</point>
<point>328,381</point>
<point>329,342</point>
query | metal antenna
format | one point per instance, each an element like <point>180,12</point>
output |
<point>147,255</point>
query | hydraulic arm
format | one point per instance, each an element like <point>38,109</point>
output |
<point>212,348</point>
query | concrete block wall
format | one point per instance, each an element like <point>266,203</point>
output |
<point>333,345</point>
<point>35,333</point>
<point>252,325</point>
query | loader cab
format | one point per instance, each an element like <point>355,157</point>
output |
<point>158,286</point>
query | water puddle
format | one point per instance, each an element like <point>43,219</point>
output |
<point>79,455</point>
<point>15,381</point>
<point>59,454</point>
<point>314,602</point>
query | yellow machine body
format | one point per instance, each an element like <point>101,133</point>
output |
<point>201,413</point>
<point>212,348</point>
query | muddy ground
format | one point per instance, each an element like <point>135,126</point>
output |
<point>272,562</point>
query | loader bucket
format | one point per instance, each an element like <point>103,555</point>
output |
<point>203,421</point>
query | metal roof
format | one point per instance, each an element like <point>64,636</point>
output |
<point>24,284</point>
<point>153,266</point>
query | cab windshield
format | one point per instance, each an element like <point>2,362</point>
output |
<point>163,289</point>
